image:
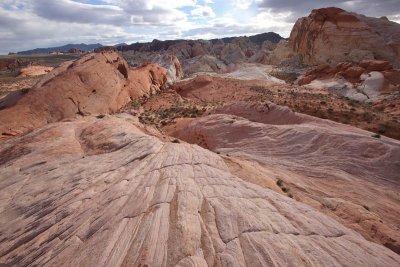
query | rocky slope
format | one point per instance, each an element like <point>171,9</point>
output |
<point>332,35</point>
<point>104,165</point>
<point>218,55</point>
<point>144,202</point>
<point>339,169</point>
<point>96,83</point>
<point>369,81</point>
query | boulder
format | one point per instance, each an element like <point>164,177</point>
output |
<point>376,65</point>
<point>34,71</point>
<point>93,84</point>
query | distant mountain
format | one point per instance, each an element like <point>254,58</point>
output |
<point>84,47</point>
<point>121,44</point>
<point>157,45</point>
<point>256,39</point>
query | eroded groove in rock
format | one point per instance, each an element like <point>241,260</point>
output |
<point>142,202</point>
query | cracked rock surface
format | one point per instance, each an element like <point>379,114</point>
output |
<point>101,192</point>
<point>339,169</point>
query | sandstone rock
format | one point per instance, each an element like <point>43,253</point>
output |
<point>353,73</point>
<point>315,158</point>
<point>172,65</point>
<point>232,53</point>
<point>95,83</point>
<point>364,82</point>
<point>143,202</point>
<point>198,50</point>
<point>357,55</point>
<point>204,64</point>
<point>34,71</point>
<point>372,83</point>
<point>376,65</point>
<point>331,35</point>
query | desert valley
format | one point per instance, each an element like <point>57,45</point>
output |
<point>242,151</point>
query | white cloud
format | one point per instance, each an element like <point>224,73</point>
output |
<point>203,11</point>
<point>243,4</point>
<point>26,24</point>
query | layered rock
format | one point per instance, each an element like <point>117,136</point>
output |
<point>366,81</point>
<point>144,202</point>
<point>332,35</point>
<point>95,83</point>
<point>218,55</point>
<point>339,169</point>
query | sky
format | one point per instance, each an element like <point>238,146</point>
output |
<point>27,24</point>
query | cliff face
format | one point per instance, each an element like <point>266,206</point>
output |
<point>330,35</point>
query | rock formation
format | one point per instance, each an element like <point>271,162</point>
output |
<point>332,35</point>
<point>96,83</point>
<point>339,169</point>
<point>366,81</point>
<point>144,202</point>
<point>34,71</point>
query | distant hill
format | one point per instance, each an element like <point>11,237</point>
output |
<point>157,45</point>
<point>84,47</point>
<point>256,39</point>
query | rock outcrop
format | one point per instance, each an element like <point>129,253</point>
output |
<point>366,81</point>
<point>34,71</point>
<point>95,83</point>
<point>101,192</point>
<point>332,35</point>
<point>339,169</point>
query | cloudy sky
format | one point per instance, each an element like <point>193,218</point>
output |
<point>27,24</point>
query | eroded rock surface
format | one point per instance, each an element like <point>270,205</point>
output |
<point>95,83</point>
<point>332,35</point>
<point>101,192</point>
<point>369,81</point>
<point>320,161</point>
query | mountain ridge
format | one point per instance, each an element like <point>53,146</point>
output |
<point>45,50</point>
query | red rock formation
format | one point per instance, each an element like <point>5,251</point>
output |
<point>333,35</point>
<point>333,167</point>
<point>95,83</point>
<point>352,73</point>
<point>102,192</point>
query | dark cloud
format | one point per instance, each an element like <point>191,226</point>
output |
<point>125,13</point>
<point>26,24</point>
<point>376,8</point>
<point>68,11</point>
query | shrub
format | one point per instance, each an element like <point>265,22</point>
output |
<point>377,136</point>
<point>366,207</point>
<point>135,104</point>
<point>279,182</point>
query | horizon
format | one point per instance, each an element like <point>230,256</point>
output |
<point>26,25</point>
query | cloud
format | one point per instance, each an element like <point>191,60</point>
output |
<point>297,8</point>
<point>243,4</point>
<point>203,11</point>
<point>26,24</point>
